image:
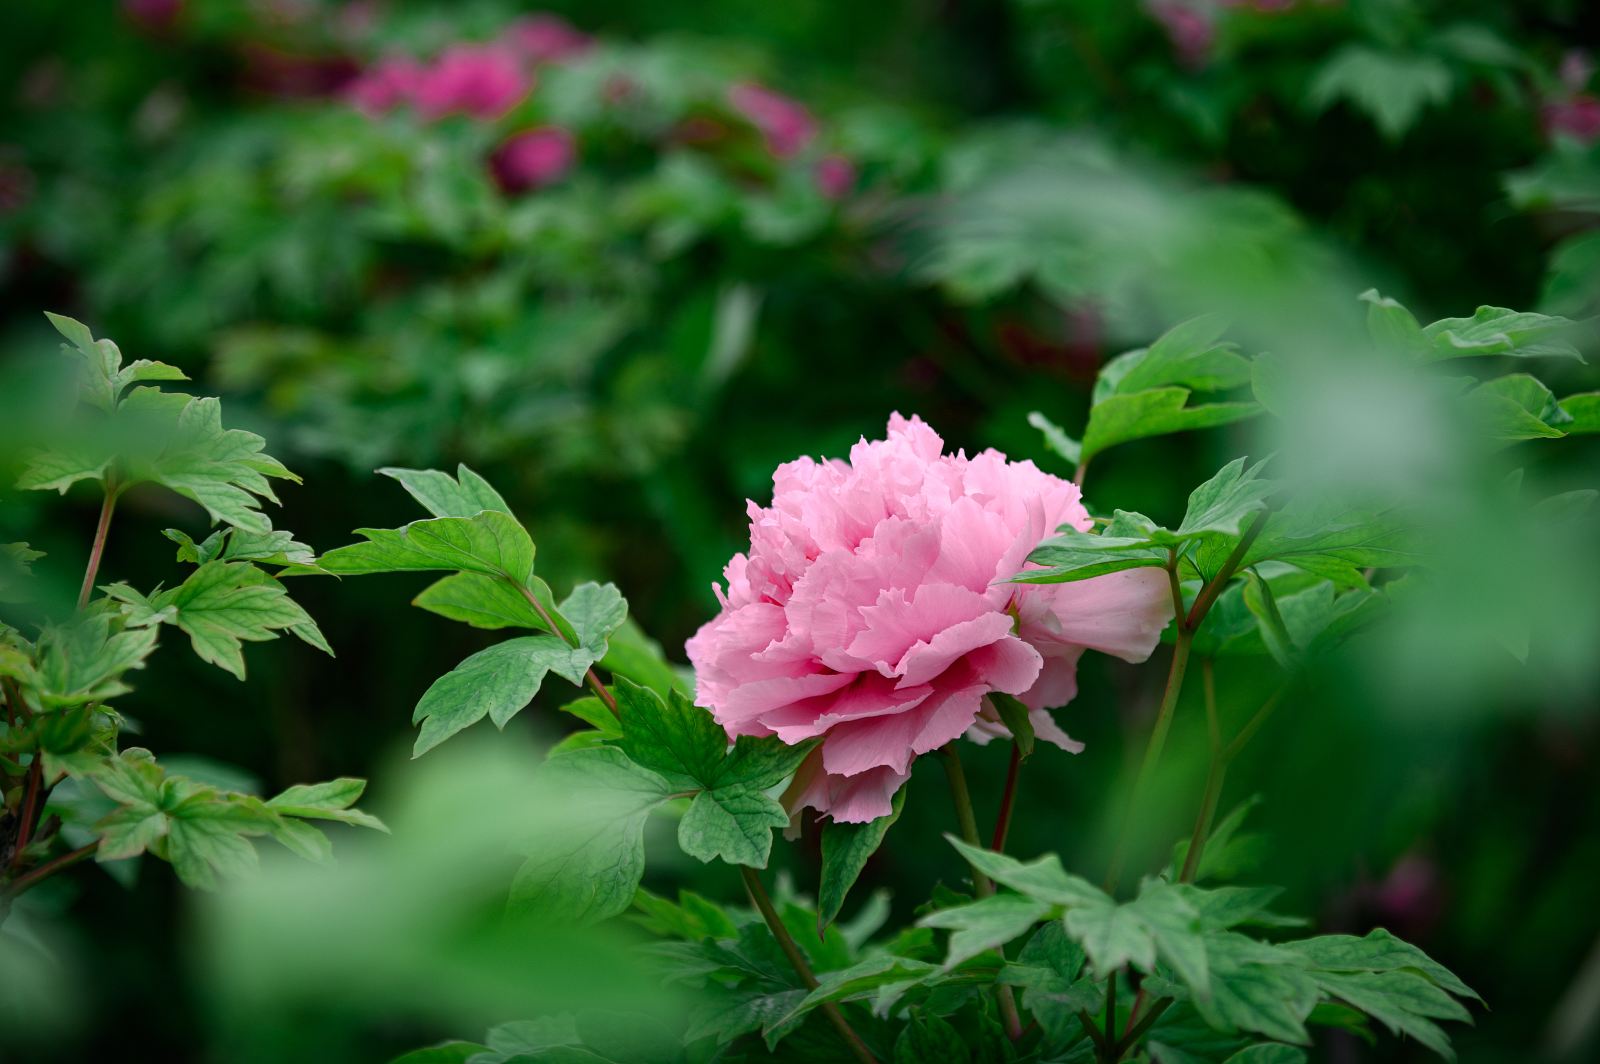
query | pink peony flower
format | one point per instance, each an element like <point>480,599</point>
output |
<point>835,176</point>
<point>546,38</point>
<point>384,86</point>
<point>873,610</point>
<point>484,81</point>
<point>533,159</point>
<point>785,124</point>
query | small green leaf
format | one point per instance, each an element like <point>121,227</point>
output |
<point>16,561</point>
<point>83,661</point>
<point>731,823</point>
<point>1392,327</point>
<point>927,1039</point>
<point>1190,355</point>
<point>1155,412</point>
<point>1584,410</point>
<point>985,924</point>
<point>222,605</point>
<point>1042,879</point>
<point>442,495</point>
<point>483,601</point>
<point>846,849</point>
<point>1017,719</point>
<point>1517,407</point>
<point>1393,88</point>
<point>674,737</point>
<point>1056,439</point>
<point>326,801</point>
<point>1269,1053</point>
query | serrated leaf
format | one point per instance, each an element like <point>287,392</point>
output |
<point>1377,951</point>
<point>442,495</point>
<point>496,682</point>
<point>83,661</point>
<point>1043,879</point>
<point>586,866</point>
<point>236,545</point>
<point>860,978</point>
<point>985,924</point>
<point>491,543</point>
<point>673,737</point>
<point>326,801</point>
<point>731,823</point>
<point>221,606</point>
<point>102,376</point>
<point>1392,88</point>
<point>1403,1001</point>
<point>1190,355</point>
<point>846,848</point>
<point>1269,1053</point>
<point>928,1039</point>
<point>739,1013</point>
<point>16,562</point>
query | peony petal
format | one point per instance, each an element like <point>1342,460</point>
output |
<point>1119,613</point>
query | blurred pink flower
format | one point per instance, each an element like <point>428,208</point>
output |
<point>153,14</point>
<point>873,611</point>
<point>785,124</point>
<point>1188,28</point>
<point>546,38</point>
<point>385,85</point>
<point>835,176</point>
<point>1577,117</point>
<point>533,159</point>
<point>482,80</point>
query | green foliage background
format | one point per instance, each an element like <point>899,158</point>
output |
<point>627,354</point>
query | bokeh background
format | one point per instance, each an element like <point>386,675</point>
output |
<point>623,258</point>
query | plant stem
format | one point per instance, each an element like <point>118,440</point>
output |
<point>590,676</point>
<point>981,883</point>
<point>1152,752</point>
<point>97,550</point>
<point>1254,724</point>
<point>1008,799</point>
<point>23,882</point>
<point>29,811</point>
<point>1214,587</point>
<point>1136,1031</point>
<point>760,899</point>
<point>1111,1010</point>
<point>1221,758</point>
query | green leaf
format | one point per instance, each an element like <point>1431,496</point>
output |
<point>846,848</point>
<point>986,923</point>
<point>858,979</point>
<point>927,1039</point>
<point>1378,951</point>
<point>326,801</point>
<point>1190,355</point>
<point>727,1017</point>
<point>1042,879</point>
<point>1218,513</point>
<point>1253,989</point>
<point>1017,719</point>
<point>102,376</point>
<point>442,495</point>
<point>674,737</point>
<point>224,470</point>
<point>1517,407</point>
<point>1392,327</point>
<point>83,661</point>
<point>221,606</point>
<point>484,601</point>
<point>1269,1053</point>
<point>1392,88</point>
<point>1280,644</point>
<point>16,561</point>
<point>1584,410</point>
<point>1498,331</point>
<point>496,682</point>
<point>1335,539</point>
<point>1403,1001</point>
<point>491,543</point>
<point>237,545</point>
<point>587,864</point>
<point>1056,439</point>
<point>731,823</point>
<point>1156,412</point>
<point>443,1053</point>
<point>632,653</point>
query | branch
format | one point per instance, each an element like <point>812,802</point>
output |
<point>590,676</point>
<point>97,550</point>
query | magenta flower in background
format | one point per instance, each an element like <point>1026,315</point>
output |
<point>482,80</point>
<point>784,124</point>
<point>153,14</point>
<point>387,84</point>
<point>835,176</point>
<point>533,159</point>
<point>1577,117</point>
<point>1188,28</point>
<point>546,38</point>
<point>872,611</point>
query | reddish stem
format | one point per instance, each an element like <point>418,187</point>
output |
<point>1008,798</point>
<point>102,529</point>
